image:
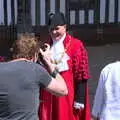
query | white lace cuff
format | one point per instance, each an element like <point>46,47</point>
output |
<point>78,105</point>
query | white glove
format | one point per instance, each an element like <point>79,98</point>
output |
<point>78,105</point>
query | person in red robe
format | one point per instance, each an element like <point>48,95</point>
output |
<point>70,57</point>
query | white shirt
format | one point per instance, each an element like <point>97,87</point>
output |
<point>107,99</point>
<point>57,51</point>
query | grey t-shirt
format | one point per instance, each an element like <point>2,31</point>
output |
<point>19,89</point>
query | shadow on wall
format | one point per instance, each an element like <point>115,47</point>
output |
<point>99,57</point>
<point>7,37</point>
<point>9,34</point>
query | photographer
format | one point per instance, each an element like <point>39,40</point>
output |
<point>21,80</point>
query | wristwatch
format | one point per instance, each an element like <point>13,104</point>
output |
<point>54,73</point>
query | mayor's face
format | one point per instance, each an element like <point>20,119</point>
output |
<point>57,32</point>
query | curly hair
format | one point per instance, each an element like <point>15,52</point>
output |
<point>25,46</point>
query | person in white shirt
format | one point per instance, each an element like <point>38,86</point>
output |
<point>107,98</point>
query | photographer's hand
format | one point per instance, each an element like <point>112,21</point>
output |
<point>46,55</point>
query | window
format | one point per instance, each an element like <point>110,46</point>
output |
<point>74,1</point>
<point>81,4</point>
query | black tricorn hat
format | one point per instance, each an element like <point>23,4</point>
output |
<point>56,19</point>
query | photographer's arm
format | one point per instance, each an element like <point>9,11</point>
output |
<point>57,86</point>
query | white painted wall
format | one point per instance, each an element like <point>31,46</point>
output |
<point>1,12</point>
<point>111,11</point>
<point>42,12</point>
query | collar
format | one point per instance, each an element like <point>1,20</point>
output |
<point>21,59</point>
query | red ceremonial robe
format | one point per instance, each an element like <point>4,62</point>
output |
<point>61,108</point>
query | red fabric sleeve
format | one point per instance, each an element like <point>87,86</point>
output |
<point>80,63</point>
<point>2,59</point>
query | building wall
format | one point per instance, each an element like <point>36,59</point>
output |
<point>106,10</point>
<point>79,14</point>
